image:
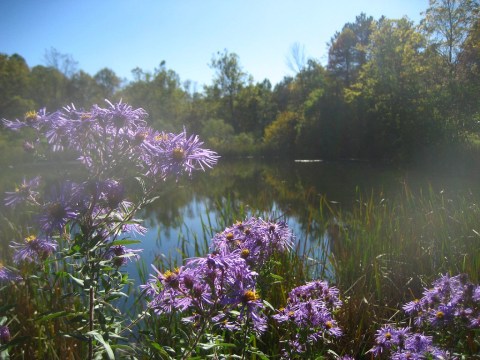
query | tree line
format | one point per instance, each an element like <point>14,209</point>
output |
<point>390,90</point>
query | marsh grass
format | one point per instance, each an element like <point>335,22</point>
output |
<point>380,252</point>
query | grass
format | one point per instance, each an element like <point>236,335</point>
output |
<point>380,253</point>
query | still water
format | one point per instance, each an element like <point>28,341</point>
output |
<point>289,190</point>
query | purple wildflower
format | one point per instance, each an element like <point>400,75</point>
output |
<point>60,208</point>
<point>256,239</point>
<point>113,192</point>
<point>476,294</point>
<point>214,286</point>
<point>384,340</point>
<point>33,249</point>
<point>418,343</point>
<point>309,311</point>
<point>7,275</point>
<point>27,191</point>
<point>400,343</point>
<point>450,300</point>
<point>175,154</point>
<point>4,334</point>
<point>119,255</point>
<point>32,119</point>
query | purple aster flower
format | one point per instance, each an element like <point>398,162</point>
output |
<point>256,240</point>
<point>120,255</point>
<point>26,191</point>
<point>4,334</point>
<point>134,229</point>
<point>34,249</point>
<point>60,209</point>
<point>114,193</point>
<point>476,294</point>
<point>384,340</point>
<point>309,311</point>
<point>7,275</point>
<point>121,116</point>
<point>449,301</point>
<point>216,287</point>
<point>418,343</point>
<point>32,119</point>
<point>413,307</point>
<point>171,154</point>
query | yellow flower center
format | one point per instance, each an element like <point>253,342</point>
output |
<point>250,295</point>
<point>244,254</point>
<point>161,137</point>
<point>440,314</point>
<point>178,154</point>
<point>30,238</point>
<point>31,116</point>
<point>229,236</point>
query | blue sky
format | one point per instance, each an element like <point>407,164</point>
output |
<point>124,34</point>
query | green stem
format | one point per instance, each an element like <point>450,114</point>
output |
<point>91,306</point>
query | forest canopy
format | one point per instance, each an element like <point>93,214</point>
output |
<point>390,90</point>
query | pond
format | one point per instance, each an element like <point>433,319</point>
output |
<point>179,221</point>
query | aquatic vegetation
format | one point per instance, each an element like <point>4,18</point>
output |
<point>255,292</point>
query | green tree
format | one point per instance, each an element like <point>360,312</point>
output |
<point>14,85</point>
<point>161,94</point>
<point>83,91</point>
<point>447,23</point>
<point>48,87</point>
<point>228,82</point>
<point>108,82</point>
<point>255,108</point>
<point>280,135</point>
<point>468,75</point>
<point>347,50</point>
<point>396,94</point>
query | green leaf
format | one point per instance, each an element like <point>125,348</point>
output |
<point>52,316</point>
<point>126,242</point>
<point>77,280</point>
<point>267,304</point>
<point>106,346</point>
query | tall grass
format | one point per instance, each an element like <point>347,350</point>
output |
<point>380,253</point>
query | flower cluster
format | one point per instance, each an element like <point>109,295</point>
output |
<point>452,301</point>
<point>221,285</point>
<point>402,344</point>
<point>255,239</point>
<point>451,306</point>
<point>211,287</point>
<point>113,139</point>
<point>308,317</point>
<point>111,143</point>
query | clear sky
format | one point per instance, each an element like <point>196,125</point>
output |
<point>124,34</point>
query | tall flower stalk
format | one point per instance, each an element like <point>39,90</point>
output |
<point>83,228</point>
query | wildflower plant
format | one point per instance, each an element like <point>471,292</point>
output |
<point>217,294</point>
<point>443,323</point>
<point>308,320</point>
<point>79,235</point>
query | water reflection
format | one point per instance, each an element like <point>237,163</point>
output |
<point>179,221</point>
